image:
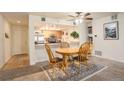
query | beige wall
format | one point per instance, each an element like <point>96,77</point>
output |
<point>1,41</point>
<point>19,39</point>
<point>16,43</point>
<point>82,29</point>
<point>83,32</point>
<point>7,41</point>
<point>111,49</point>
<point>32,22</point>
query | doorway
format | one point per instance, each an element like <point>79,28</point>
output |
<point>19,48</point>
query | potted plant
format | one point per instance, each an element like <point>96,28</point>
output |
<point>75,35</point>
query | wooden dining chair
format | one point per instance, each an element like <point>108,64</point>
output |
<point>82,55</point>
<point>89,47</point>
<point>53,61</point>
<point>67,45</point>
<point>64,45</point>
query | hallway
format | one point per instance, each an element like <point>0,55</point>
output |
<point>17,61</point>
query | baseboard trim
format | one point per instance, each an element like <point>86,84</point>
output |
<point>1,66</point>
<point>109,58</point>
<point>6,60</point>
<point>38,61</point>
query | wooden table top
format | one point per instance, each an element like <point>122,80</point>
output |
<point>67,51</point>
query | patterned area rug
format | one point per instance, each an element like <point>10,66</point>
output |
<point>41,71</point>
<point>72,73</point>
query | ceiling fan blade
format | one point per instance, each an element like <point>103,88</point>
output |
<point>70,20</point>
<point>71,16</point>
<point>87,14</point>
<point>78,14</point>
<point>87,18</point>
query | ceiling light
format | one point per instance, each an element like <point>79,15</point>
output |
<point>80,20</point>
<point>18,21</point>
<point>76,21</point>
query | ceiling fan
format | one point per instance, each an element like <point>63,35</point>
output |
<point>80,15</point>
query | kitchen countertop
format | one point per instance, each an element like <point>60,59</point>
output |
<point>51,44</point>
<point>72,44</point>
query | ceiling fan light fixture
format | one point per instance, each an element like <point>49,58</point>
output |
<point>80,20</point>
<point>76,21</point>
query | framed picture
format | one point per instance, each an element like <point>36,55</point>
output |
<point>111,31</point>
<point>7,35</point>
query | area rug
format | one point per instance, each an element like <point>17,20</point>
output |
<point>73,72</point>
<point>41,71</point>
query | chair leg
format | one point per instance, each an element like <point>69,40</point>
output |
<point>86,63</point>
<point>60,66</point>
<point>53,71</point>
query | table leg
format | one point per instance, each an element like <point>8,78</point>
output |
<point>65,61</point>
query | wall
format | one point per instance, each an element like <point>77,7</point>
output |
<point>111,49</point>
<point>1,41</point>
<point>7,41</point>
<point>32,21</point>
<point>83,32</point>
<point>35,20</point>
<point>16,43</point>
<point>33,52</point>
<point>19,39</point>
<point>82,29</point>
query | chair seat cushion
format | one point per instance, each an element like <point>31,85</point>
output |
<point>58,59</point>
<point>77,58</point>
<point>70,58</point>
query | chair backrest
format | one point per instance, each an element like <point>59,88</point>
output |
<point>64,45</point>
<point>88,46</point>
<point>83,52</point>
<point>49,52</point>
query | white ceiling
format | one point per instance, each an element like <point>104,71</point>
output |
<point>102,14</point>
<point>13,17</point>
<point>51,27</point>
<point>58,15</point>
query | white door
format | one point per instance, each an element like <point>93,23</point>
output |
<point>19,41</point>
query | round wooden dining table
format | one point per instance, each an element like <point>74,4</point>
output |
<point>65,52</point>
